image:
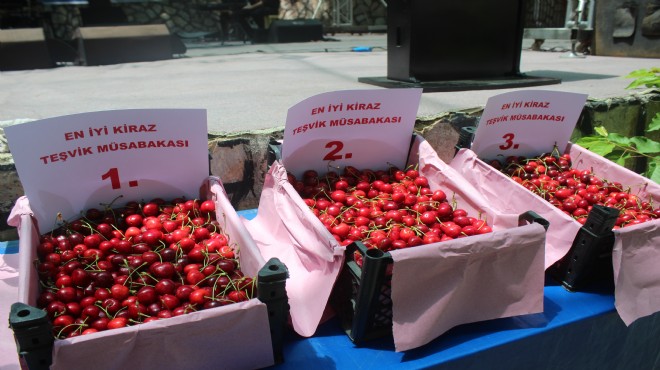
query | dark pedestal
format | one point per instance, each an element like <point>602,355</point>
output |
<point>24,48</point>
<point>123,44</point>
<point>455,45</point>
<point>297,30</point>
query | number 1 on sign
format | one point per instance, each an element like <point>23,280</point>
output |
<point>113,175</point>
<point>335,149</point>
<point>508,139</point>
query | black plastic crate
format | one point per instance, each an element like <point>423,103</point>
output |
<point>590,257</point>
<point>34,337</point>
<point>362,295</point>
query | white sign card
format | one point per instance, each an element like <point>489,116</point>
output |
<point>72,163</point>
<point>527,123</point>
<point>360,128</point>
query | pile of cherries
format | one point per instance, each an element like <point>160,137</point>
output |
<point>142,262</point>
<point>385,209</point>
<point>576,191</point>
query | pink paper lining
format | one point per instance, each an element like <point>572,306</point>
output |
<point>285,227</point>
<point>229,337</point>
<point>635,257</point>
<point>234,336</point>
<point>636,253</point>
<point>250,257</point>
<point>439,286</point>
<point>466,280</point>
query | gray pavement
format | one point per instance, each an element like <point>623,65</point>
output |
<point>250,87</point>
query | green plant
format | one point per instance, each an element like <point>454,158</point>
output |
<point>619,148</point>
<point>651,79</point>
<point>644,77</point>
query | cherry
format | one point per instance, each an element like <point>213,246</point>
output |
<point>147,295</point>
<point>64,324</point>
<point>207,206</point>
<point>134,220</point>
<point>119,292</point>
<point>117,322</point>
<point>111,305</point>
<point>66,294</point>
<point>198,296</point>
<point>163,270</point>
<point>90,312</point>
<point>237,296</point>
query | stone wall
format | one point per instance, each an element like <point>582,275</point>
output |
<point>369,13</point>
<point>182,16</point>
<point>62,21</point>
<point>178,15</point>
<point>186,16</point>
<point>241,159</point>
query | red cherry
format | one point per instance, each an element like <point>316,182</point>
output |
<point>134,220</point>
<point>146,295</point>
<point>207,206</point>
<point>237,296</point>
<point>163,270</point>
<point>198,296</point>
<point>183,292</point>
<point>118,322</point>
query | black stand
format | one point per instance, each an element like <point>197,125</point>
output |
<point>520,80</point>
<point>454,46</point>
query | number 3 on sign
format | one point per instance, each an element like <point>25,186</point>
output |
<point>335,151</point>
<point>113,175</point>
<point>508,142</point>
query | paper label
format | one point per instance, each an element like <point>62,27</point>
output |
<point>361,128</point>
<point>72,163</point>
<point>527,123</point>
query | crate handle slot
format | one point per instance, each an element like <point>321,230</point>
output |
<point>465,136</point>
<point>33,334</point>
<point>372,277</point>
<point>274,151</point>
<point>591,248</point>
<point>531,216</point>
<point>271,290</point>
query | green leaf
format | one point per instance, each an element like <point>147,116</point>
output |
<point>645,145</point>
<point>633,85</point>
<point>653,171</point>
<point>646,78</point>
<point>618,139</point>
<point>638,73</point>
<point>651,79</point>
<point>603,148</point>
<point>588,141</point>
<point>620,161</point>
<point>616,154</point>
<point>654,125</point>
<point>600,130</point>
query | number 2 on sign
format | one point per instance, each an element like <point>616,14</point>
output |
<point>113,175</point>
<point>335,149</point>
<point>508,139</point>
